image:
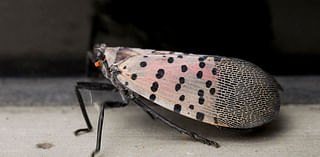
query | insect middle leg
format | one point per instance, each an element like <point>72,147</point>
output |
<point>193,135</point>
<point>88,86</point>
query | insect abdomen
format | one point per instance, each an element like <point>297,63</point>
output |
<point>247,96</point>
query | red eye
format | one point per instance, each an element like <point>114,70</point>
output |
<point>97,64</point>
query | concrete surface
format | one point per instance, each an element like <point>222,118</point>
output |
<point>129,131</point>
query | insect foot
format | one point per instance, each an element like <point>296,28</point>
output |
<point>204,140</point>
<point>82,131</point>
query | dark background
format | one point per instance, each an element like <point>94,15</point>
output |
<point>51,38</point>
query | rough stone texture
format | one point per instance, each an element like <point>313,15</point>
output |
<point>131,132</point>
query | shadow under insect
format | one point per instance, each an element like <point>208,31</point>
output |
<point>269,131</point>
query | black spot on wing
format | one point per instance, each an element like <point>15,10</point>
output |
<point>217,58</point>
<point>215,119</point>
<point>202,64</point>
<point>200,116</point>
<point>202,58</point>
<point>200,92</point>
<point>212,91</point>
<point>160,73</point>
<point>181,80</point>
<point>199,74</point>
<point>208,84</point>
<point>154,86</point>
<point>184,68</point>
<point>143,64</point>
<point>134,76</point>
<point>214,71</point>
<point>170,60</point>
<point>177,108</point>
<point>177,87</point>
<point>201,100</point>
<point>152,97</point>
<point>191,107</point>
<point>181,98</point>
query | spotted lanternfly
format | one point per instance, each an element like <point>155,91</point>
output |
<point>220,91</point>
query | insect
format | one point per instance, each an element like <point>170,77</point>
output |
<point>220,91</point>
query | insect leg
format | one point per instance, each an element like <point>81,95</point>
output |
<point>89,86</point>
<point>99,131</point>
<point>193,135</point>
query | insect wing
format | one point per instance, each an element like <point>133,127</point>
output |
<point>185,84</point>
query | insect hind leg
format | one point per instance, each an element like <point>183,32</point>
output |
<point>88,86</point>
<point>156,115</point>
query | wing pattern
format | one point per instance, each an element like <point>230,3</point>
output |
<point>185,84</point>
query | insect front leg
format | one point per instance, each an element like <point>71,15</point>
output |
<point>99,131</point>
<point>88,86</point>
<point>193,135</point>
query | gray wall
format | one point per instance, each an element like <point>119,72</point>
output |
<point>43,31</point>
